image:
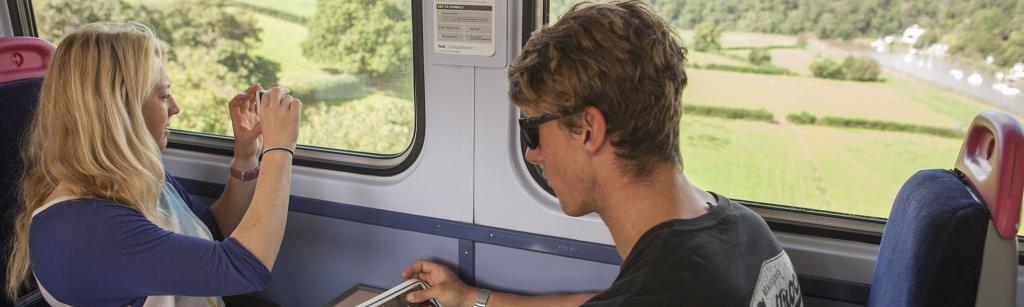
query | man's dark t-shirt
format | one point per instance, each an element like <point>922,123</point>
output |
<point>726,257</point>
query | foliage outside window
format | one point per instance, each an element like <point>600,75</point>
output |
<point>349,61</point>
<point>792,102</point>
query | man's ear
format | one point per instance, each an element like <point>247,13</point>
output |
<point>594,127</point>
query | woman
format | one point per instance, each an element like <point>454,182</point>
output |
<point>103,224</point>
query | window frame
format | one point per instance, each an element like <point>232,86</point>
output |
<point>786,218</point>
<point>305,155</point>
<point>780,217</point>
<point>23,19</point>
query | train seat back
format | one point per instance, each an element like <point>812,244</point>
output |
<point>951,235</point>
<point>23,62</point>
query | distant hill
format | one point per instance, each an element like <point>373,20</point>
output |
<point>974,28</point>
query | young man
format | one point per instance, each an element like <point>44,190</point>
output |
<point>600,94</point>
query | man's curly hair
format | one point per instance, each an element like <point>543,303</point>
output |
<point>619,57</point>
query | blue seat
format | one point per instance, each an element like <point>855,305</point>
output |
<point>23,62</point>
<point>951,235</point>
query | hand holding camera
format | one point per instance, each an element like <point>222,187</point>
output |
<point>245,123</point>
<point>279,117</point>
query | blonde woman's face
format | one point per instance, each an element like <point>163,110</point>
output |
<point>158,109</point>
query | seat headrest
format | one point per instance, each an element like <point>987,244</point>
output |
<point>992,160</point>
<point>23,58</point>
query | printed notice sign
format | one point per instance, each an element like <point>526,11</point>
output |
<point>464,27</point>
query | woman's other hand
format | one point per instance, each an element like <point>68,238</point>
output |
<point>245,123</point>
<point>279,118</point>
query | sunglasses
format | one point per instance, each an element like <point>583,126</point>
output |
<point>530,128</point>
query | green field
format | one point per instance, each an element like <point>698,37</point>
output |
<point>844,170</point>
<point>283,44</point>
<point>304,8</point>
<point>783,95</point>
<point>743,39</point>
<point>836,169</point>
<point>375,123</point>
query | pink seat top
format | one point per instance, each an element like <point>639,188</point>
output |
<point>23,58</point>
<point>992,158</point>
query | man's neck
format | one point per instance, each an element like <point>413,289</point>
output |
<point>630,208</point>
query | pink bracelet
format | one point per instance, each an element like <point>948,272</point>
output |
<point>245,175</point>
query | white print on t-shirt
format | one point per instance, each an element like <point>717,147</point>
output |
<point>777,284</point>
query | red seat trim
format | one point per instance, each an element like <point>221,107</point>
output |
<point>23,58</point>
<point>992,158</point>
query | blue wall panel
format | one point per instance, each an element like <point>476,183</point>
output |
<point>529,272</point>
<point>322,257</point>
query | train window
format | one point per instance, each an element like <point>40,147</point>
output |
<point>350,62</point>
<point>831,105</point>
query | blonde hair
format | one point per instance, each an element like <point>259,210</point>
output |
<point>88,131</point>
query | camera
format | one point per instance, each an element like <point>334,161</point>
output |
<point>259,96</point>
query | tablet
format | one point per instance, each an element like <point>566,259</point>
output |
<point>395,297</point>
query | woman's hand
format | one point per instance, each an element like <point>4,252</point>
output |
<point>245,122</point>
<point>279,118</point>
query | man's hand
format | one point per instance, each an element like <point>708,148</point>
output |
<point>445,287</point>
<point>245,123</point>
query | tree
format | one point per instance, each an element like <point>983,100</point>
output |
<point>827,68</point>
<point>58,17</point>
<point>827,25</point>
<point>707,37</point>
<point>927,39</point>
<point>340,38</point>
<point>209,56</point>
<point>1012,51</point>
<point>759,56</point>
<point>861,69</point>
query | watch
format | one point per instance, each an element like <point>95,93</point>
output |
<point>245,175</point>
<point>482,298</point>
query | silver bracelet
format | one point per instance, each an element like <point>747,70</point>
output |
<point>265,150</point>
<point>482,298</point>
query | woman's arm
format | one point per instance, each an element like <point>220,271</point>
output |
<point>261,229</point>
<point>97,252</point>
<point>229,209</point>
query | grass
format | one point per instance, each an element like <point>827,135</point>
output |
<point>737,53</point>
<point>851,171</point>
<point>942,101</point>
<point>745,39</point>
<point>796,60</point>
<point>704,58</point>
<point>836,169</point>
<point>746,160</point>
<point>282,43</point>
<point>863,170</point>
<point>785,95</point>
<point>375,123</point>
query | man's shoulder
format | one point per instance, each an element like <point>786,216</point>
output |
<point>722,259</point>
<point>728,222</point>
